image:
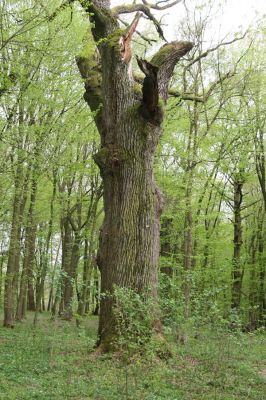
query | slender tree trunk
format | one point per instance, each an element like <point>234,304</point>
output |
<point>1,277</point>
<point>210,226</point>
<point>253,280</point>
<point>166,245</point>
<point>260,163</point>
<point>50,299</point>
<point>85,280</point>
<point>12,271</point>
<point>28,261</point>
<point>67,243</point>
<point>88,258</point>
<point>43,301</point>
<point>188,244</point>
<point>51,293</point>
<point>262,271</point>
<point>189,262</point>
<point>31,306</point>
<point>40,286</point>
<point>58,288</point>
<point>237,272</point>
<point>57,298</point>
<point>70,278</point>
<point>96,296</point>
<point>188,249</point>
<point>261,173</point>
<point>2,260</point>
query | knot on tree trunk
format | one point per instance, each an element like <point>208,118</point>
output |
<point>110,157</point>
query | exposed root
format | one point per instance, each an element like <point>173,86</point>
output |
<point>99,351</point>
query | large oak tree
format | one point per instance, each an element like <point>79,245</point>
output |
<point>128,116</point>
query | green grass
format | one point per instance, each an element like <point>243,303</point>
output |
<point>54,362</point>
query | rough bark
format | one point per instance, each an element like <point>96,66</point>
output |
<point>130,130</point>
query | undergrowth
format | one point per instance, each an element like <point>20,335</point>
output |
<point>54,361</point>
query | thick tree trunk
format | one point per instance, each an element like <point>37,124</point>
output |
<point>129,126</point>
<point>129,241</point>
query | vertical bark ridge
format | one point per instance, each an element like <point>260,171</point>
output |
<point>129,238</point>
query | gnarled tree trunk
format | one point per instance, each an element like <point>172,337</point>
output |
<point>130,126</point>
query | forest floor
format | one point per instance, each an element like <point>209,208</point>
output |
<point>54,361</point>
